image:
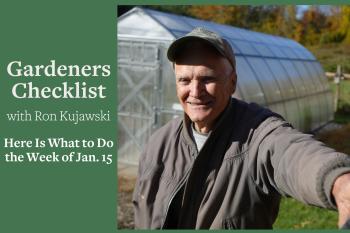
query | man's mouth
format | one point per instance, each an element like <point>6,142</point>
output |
<point>199,103</point>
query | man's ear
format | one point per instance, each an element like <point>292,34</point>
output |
<point>234,81</point>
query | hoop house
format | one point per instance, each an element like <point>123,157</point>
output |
<point>272,71</point>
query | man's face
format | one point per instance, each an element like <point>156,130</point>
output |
<point>204,83</point>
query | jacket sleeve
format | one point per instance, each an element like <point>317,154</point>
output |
<point>136,194</point>
<point>141,214</point>
<point>294,163</point>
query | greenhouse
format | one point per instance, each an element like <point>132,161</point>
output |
<point>272,71</point>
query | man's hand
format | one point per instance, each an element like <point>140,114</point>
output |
<point>341,194</point>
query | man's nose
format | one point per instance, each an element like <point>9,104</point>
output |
<point>196,89</point>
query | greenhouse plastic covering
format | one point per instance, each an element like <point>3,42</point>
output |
<point>275,72</point>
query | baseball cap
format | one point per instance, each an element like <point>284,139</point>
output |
<point>212,38</point>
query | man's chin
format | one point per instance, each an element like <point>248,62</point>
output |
<point>198,119</point>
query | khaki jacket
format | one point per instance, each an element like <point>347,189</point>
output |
<point>250,159</point>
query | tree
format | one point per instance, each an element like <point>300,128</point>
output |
<point>224,14</point>
<point>312,24</point>
<point>345,23</point>
<point>314,27</point>
<point>175,9</point>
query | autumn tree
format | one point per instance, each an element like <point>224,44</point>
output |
<point>344,26</point>
<point>175,9</point>
<point>277,20</point>
<point>224,14</point>
<point>312,24</point>
<point>314,27</point>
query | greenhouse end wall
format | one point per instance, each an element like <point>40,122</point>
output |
<point>146,94</point>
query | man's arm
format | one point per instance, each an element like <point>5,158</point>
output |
<point>341,194</point>
<point>297,165</point>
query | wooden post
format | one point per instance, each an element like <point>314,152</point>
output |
<point>337,77</point>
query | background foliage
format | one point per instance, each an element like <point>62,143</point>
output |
<point>315,25</point>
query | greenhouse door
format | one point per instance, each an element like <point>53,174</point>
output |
<point>138,95</point>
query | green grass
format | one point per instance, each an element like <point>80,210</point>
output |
<point>342,118</point>
<point>332,55</point>
<point>295,215</point>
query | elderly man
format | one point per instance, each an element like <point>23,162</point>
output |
<point>226,164</point>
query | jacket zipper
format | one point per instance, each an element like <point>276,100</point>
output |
<point>181,183</point>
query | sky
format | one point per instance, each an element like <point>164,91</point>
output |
<point>302,8</point>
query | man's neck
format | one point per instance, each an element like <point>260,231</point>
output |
<point>202,130</point>
<point>199,138</point>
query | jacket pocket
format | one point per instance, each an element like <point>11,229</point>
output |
<point>147,184</point>
<point>236,151</point>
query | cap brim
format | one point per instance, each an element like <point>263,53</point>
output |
<point>178,44</point>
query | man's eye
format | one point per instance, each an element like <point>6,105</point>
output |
<point>183,81</point>
<point>208,80</point>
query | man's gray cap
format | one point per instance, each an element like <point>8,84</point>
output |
<point>212,38</point>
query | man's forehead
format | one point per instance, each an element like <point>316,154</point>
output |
<point>182,71</point>
<point>202,61</point>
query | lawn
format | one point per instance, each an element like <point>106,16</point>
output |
<point>331,55</point>
<point>295,215</point>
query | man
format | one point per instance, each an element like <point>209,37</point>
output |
<point>227,163</point>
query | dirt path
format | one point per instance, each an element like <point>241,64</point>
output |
<point>125,209</point>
